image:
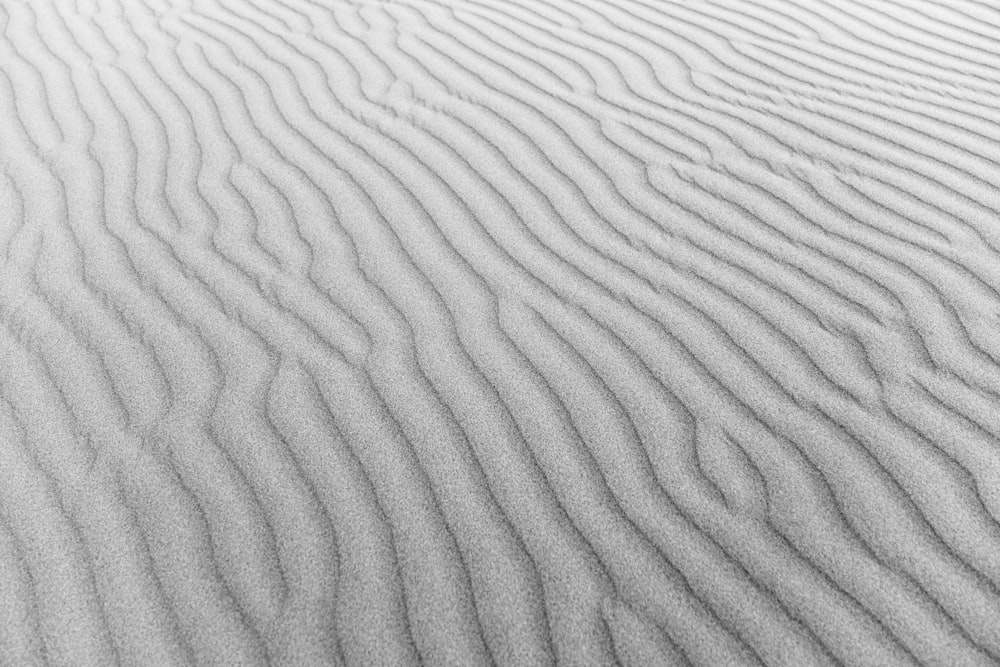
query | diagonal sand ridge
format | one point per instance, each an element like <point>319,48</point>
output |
<point>499,331</point>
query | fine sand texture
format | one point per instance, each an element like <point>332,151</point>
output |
<point>515,332</point>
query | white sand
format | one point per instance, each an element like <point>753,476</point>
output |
<point>499,331</point>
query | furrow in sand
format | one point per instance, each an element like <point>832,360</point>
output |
<point>499,332</point>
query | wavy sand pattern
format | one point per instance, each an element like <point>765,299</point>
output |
<point>499,331</point>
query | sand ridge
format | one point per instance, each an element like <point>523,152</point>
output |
<point>499,332</point>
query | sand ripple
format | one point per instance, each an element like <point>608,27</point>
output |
<point>499,331</point>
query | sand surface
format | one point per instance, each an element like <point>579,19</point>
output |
<point>516,332</point>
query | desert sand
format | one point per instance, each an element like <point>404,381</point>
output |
<point>516,332</point>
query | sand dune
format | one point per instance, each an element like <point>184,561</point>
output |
<point>499,331</point>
